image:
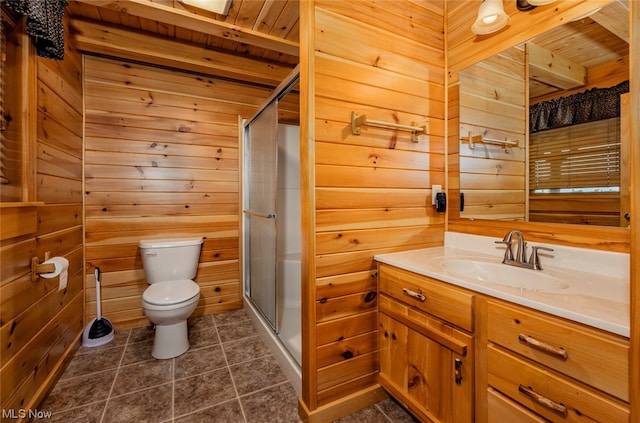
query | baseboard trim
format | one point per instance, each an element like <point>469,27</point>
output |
<point>342,407</point>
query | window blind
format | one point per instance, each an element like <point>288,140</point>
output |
<point>13,106</point>
<point>580,156</point>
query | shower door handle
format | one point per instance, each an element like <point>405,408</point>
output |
<point>260,214</point>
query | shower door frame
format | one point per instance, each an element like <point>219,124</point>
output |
<point>282,90</point>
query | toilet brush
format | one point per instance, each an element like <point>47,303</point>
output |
<point>100,330</point>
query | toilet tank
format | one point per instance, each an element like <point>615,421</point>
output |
<point>170,259</point>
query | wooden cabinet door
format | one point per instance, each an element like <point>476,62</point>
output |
<point>431,380</point>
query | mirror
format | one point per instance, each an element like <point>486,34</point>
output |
<point>511,171</point>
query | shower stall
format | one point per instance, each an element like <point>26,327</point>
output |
<point>271,224</point>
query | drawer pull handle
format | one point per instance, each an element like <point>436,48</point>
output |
<point>542,400</point>
<point>418,295</point>
<point>555,351</point>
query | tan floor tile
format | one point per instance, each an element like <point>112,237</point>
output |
<point>202,360</point>
<point>255,375</point>
<point>236,330</point>
<point>135,377</point>
<point>93,362</point>
<point>204,390</point>
<point>78,391</point>
<point>91,413</point>
<point>227,374</point>
<point>150,405</point>
<point>245,349</point>
<point>278,402</point>
<point>229,411</point>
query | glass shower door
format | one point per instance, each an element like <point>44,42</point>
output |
<point>261,164</point>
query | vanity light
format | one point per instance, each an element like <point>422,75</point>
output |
<point>220,7</point>
<point>539,2</point>
<point>491,17</point>
<point>524,5</point>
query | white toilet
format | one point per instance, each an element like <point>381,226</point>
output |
<point>169,267</point>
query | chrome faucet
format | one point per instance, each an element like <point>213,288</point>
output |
<point>520,259</point>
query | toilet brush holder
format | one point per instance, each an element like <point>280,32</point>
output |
<point>100,330</point>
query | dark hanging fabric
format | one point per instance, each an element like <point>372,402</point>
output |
<point>591,105</point>
<point>44,24</point>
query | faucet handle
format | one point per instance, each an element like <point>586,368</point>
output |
<point>534,260</point>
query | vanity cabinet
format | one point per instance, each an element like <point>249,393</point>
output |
<point>556,369</point>
<point>426,345</point>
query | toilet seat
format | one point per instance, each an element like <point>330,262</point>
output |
<point>169,293</point>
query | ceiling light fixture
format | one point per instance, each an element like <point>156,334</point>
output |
<point>491,17</point>
<point>220,7</point>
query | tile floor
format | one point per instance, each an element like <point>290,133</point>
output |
<point>228,375</point>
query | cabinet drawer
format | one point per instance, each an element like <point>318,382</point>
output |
<point>599,359</point>
<point>439,299</point>
<point>548,394</point>
<point>501,409</point>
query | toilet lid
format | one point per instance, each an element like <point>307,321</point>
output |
<point>171,292</point>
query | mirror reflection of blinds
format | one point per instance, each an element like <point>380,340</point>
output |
<point>580,157</point>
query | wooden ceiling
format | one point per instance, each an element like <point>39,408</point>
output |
<point>592,45</point>
<point>262,34</point>
<point>258,41</point>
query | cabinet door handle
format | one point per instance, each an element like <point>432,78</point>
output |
<point>418,295</point>
<point>458,371</point>
<point>559,352</point>
<point>542,400</point>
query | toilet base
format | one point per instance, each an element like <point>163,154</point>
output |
<point>170,340</point>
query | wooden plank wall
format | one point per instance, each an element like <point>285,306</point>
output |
<point>161,161</point>
<point>493,101</point>
<point>634,181</point>
<point>372,191</point>
<point>40,325</point>
<point>464,49</point>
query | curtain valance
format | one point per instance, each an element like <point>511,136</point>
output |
<point>591,105</point>
<point>44,24</point>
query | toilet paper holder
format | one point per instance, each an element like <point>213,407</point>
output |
<point>37,268</point>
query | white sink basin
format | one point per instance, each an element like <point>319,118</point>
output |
<point>505,275</point>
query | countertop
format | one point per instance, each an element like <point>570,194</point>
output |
<point>594,299</point>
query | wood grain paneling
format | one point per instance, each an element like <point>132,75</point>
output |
<point>122,42</point>
<point>40,324</point>
<point>372,191</point>
<point>258,28</point>
<point>494,95</point>
<point>161,152</point>
<point>634,134</point>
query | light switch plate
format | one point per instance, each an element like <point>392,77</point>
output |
<point>435,189</point>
